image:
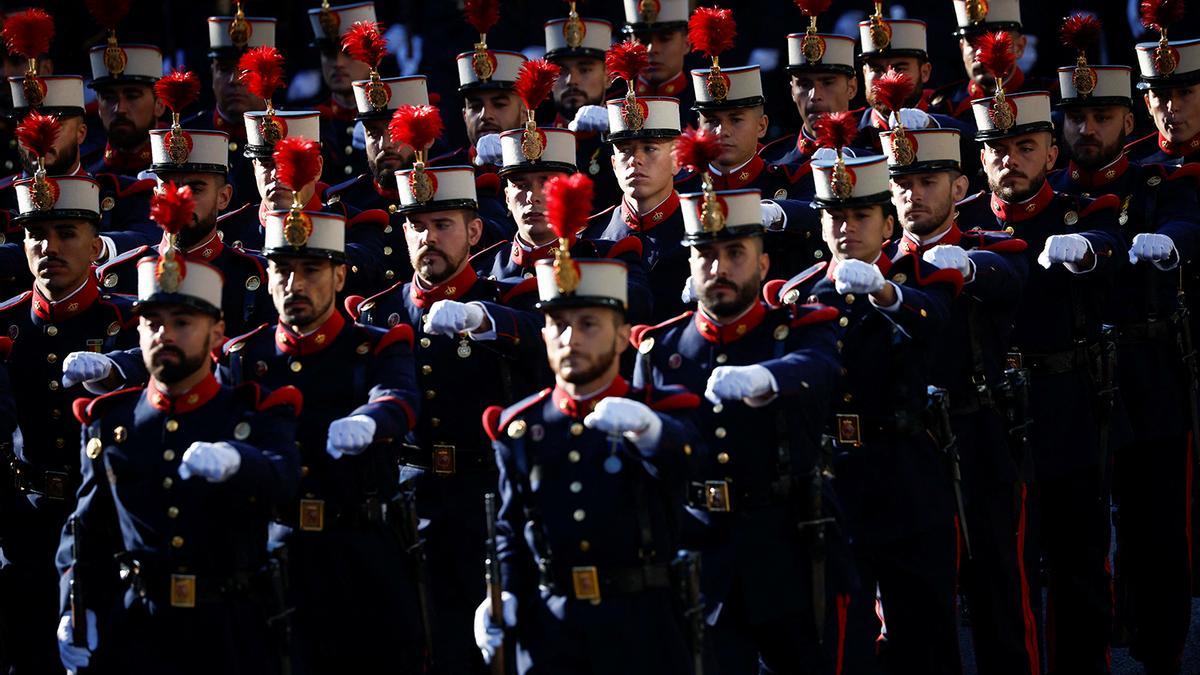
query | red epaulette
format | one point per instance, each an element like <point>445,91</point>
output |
<point>238,342</point>
<point>627,245</point>
<point>88,410</point>
<point>369,217</point>
<point>1101,203</point>
<point>998,241</point>
<point>671,398</point>
<point>351,304</point>
<point>813,313</point>
<point>937,276</point>
<point>496,418</point>
<point>1187,171</point>
<point>6,345</point>
<point>286,395</point>
<point>487,183</point>
<point>369,302</point>
<point>639,331</point>
<point>401,332</point>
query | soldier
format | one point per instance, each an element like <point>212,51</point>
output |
<point>339,71</point>
<point>470,352</point>
<point>1158,217</point>
<point>65,311</point>
<point>661,25</point>
<point>582,568</point>
<point>168,543</point>
<point>755,492</point>
<point>1170,72</point>
<point>124,84</point>
<point>926,182</point>
<point>1057,337</point>
<point>490,106</point>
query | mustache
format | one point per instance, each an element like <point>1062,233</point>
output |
<point>722,283</point>
<point>48,261</point>
<point>293,299</point>
<point>168,349</point>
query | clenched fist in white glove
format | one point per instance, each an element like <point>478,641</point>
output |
<point>590,118</point>
<point>487,150</point>
<point>754,384</point>
<point>688,295</point>
<point>489,634</point>
<point>1149,247</point>
<point>451,317</point>
<point>75,656</point>
<point>214,462</point>
<point>631,419</point>
<point>856,276</point>
<point>772,215</point>
<point>349,435</point>
<point>1068,249</point>
<point>950,257</point>
<point>912,118</point>
<point>86,367</point>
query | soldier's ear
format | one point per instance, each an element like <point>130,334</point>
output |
<point>852,84</point>
<point>1128,123</point>
<point>623,330</point>
<point>474,230</point>
<point>339,277</point>
<point>1051,155</point>
<point>81,132</point>
<point>159,107</point>
<point>958,187</point>
<point>926,72</point>
<point>218,332</point>
<point>763,123</point>
<point>224,195</point>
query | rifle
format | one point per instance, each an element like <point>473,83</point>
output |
<point>939,403</point>
<point>491,577</point>
<point>1187,347</point>
<point>414,546</point>
<point>279,617</point>
<point>75,588</point>
<point>686,567</point>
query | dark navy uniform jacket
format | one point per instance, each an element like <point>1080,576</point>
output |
<point>241,168</point>
<point>1155,149</point>
<point>342,159</point>
<point>576,498</point>
<point>752,543</point>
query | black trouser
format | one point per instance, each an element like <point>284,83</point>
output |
<point>29,584</point>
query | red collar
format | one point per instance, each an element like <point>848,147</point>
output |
<point>53,312</point>
<point>1181,149</point>
<point>1022,211</point>
<point>192,399</point>
<point>451,289</point>
<point>1091,180</point>
<point>580,408</point>
<point>128,161</point>
<point>1012,85</point>
<point>647,222</point>
<point>910,246</point>
<point>294,344</point>
<point>671,87</point>
<point>883,262</point>
<point>392,195</point>
<point>733,331</point>
<point>331,108</point>
<point>804,144</point>
<point>743,176</point>
<point>219,123</point>
<point>525,256</point>
<point>205,251</point>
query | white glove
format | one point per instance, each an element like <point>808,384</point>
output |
<point>688,296</point>
<point>487,150</point>
<point>488,635</point>
<point>451,317</point>
<point>72,655</point>
<point>631,419</point>
<point>590,118</point>
<point>912,118</point>
<point>856,276</point>
<point>1151,247</point>
<point>1068,249</point>
<point>772,215</point>
<point>349,435</point>
<point>730,383</point>
<point>950,257</point>
<point>214,462</point>
<point>86,367</point>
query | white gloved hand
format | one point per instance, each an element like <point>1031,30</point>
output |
<point>86,367</point>
<point>74,656</point>
<point>831,154</point>
<point>487,150</point>
<point>856,276</point>
<point>772,215</point>
<point>349,435</point>
<point>590,118</point>
<point>1068,249</point>
<point>688,296</point>
<point>949,257</point>
<point>631,419</point>
<point>489,635</point>
<point>1150,247</point>
<point>214,462</point>
<point>912,118</point>
<point>730,383</point>
<point>450,317</point>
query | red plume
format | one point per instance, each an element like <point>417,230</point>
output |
<point>568,203</point>
<point>37,132</point>
<point>108,13</point>
<point>482,14</point>
<point>365,42</point>
<point>835,130</point>
<point>995,52</point>
<point>416,126</point>
<point>813,7</point>
<point>711,30</point>
<point>1161,14</point>
<point>626,59</point>
<point>297,162</point>
<point>892,90</point>
<point>28,33</point>
<point>262,71</point>
<point>1081,31</point>
<point>178,90</point>
<point>172,207</point>
<point>695,149</point>
<point>535,81</point>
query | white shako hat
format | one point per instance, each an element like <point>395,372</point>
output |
<point>901,37</point>
<point>654,15</point>
<point>655,117</point>
<point>329,24</point>
<point>291,124</point>
<point>828,54</point>
<point>1178,66</point>
<point>442,188</point>
<point>55,198</point>
<point>553,149</point>
<point>597,282</point>
<point>1019,113</point>
<point>856,181</point>
<point>577,36</point>
<point>1112,86</point>
<point>720,215</point>
<point>921,150</point>
<point>199,152</point>
<point>500,73</point>
<point>743,88</point>
<point>411,90</point>
<point>987,16</point>
<point>174,280</point>
<point>142,64</point>
<point>305,234</point>
<point>61,95</point>
<point>232,35</point>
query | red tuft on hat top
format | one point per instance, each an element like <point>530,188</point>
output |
<point>695,149</point>
<point>624,60</point>
<point>28,33</point>
<point>535,82</point>
<point>568,204</point>
<point>711,31</point>
<point>172,207</point>
<point>37,133</point>
<point>482,14</point>
<point>995,52</point>
<point>416,126</point>
<point>365,42</point>
<point>835,130</point>
<point>178,90</point>
<point>813,8</point>
<point>1159,15</point>
<point>261,69</point>
<point>108,13</point>
<point>1081,31</point>
<point>297,162</point>
<point>892,90</point>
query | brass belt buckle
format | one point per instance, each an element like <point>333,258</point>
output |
<point>443,459</point>
<point>1014,361</point>
<point>849,430</point>
<point>716,495</point>
<point>183,590</point>
<point>586,583</point>
<point>312,515</point>
<point>55,485</point>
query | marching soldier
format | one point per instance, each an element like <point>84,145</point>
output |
<point>339,72</point>
<point>1170,72</point>
<point>927,181</point>
<point>589,482</point>
<point>168,543</point>
<point>65,311</point>
<point>123,77</point>
<point>662,26</point>
<point>755,490</point>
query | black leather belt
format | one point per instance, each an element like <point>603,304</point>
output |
<point>854,430</point>
<point>592,583</point>
<point>719,496</point>
<point>1145,331</point>
<point>1056,363</point>
<point>182,589</point>
<point>50,484</point>
<point>312,514</point>
<point>444,459</point>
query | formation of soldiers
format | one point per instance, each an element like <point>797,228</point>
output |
<point>734,404</point>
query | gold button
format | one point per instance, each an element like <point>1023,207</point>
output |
<point>576,429</point>
<point>576,487</point>
<point>295,366</point>
<point>233,146</point>
<point>241,431</point>
<point>426,369</point>
<point>687,449</point>
<point>55,414</point>
<point>58,442</point>
<point>177,541</point>
<point>53,385</point>
<point>424,342</point>
<point>847,397</point>
<point>51,358</point>
<point>304,471</point>
<point>579,515</point>
<point>349,149</point>
<point>843,322</point>
<point>173,512</point>
<point>781,332</point>
<point>94,447</point>
<point>723,458</point>
<point>924,313</point>
<point>51,330</point>
<point>168,455</point>
<point>391,209</point>
<point>517,429</point>
<point>850,298</point>
<point>722,358</point>
<point>435,422</point>
<point>573,456</point>
<point>110,280</point>
<point>718,408</point>
<point>388,228</point>
<point>168,482</point>
<point>719,432</point>
<point>172,425</point>
<point>387,250</point>
<point>429,394</point>
<point>584,545</point>
<point>389,274</point>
